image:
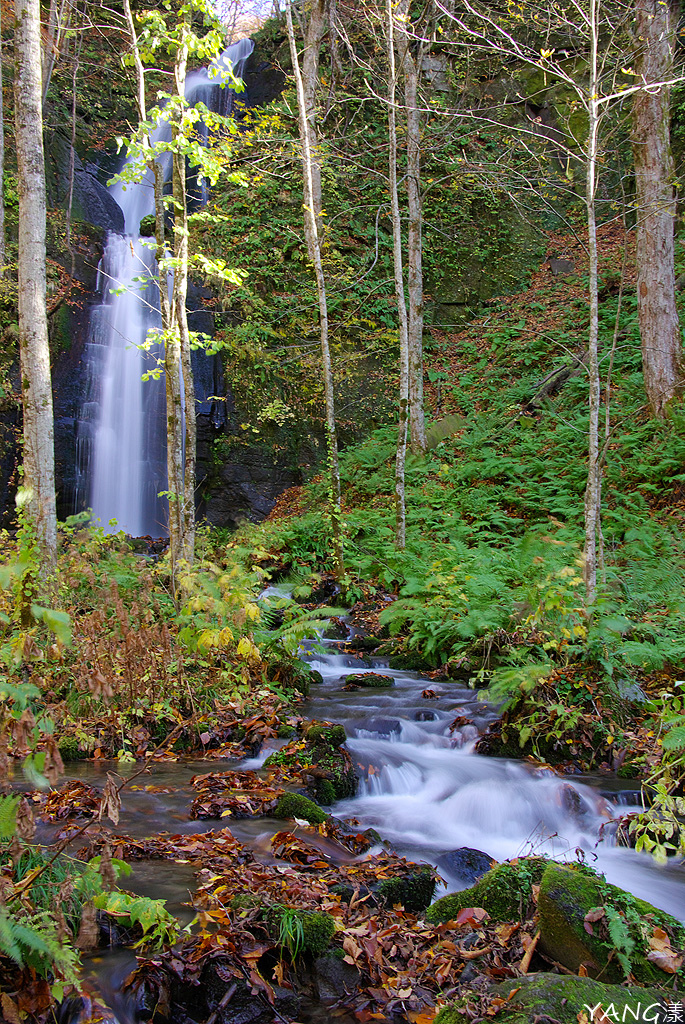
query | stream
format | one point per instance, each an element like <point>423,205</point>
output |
<point>421,786</point>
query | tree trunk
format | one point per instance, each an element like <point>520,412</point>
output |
<point>186,545</point>
<point>410,67</point>
<point>306,89</point>
<point>654,176</point>
<point>593,491</point>
<point>36,388</point>
<point>400,458</point>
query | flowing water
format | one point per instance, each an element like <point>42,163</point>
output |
<point>421,787</point>
<point>121,448</point>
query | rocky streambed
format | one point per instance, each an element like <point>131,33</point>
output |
<point>318,906</point>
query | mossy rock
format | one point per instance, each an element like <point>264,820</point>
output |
<point>286,732</point>
<point>372,680</point>
<point>414,892</point>
<point>301,931</point>
<point>561,998</point>
<point>291,675</point>
<point>335,778</point>
<point>568,894</point>
<point>333,735</point>
<point>148,226</point>
<point>409,663</point>
<point>294,805</point>
<point>505,892</point>
<point>70,750</point>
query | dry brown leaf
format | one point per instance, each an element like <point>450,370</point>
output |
<point>10,1011</point>
<point>88,933</point>
<point>111,801</point>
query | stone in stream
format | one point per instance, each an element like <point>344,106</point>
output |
<point>466,864</point>
<point>548,997</point>
<point>333,977</point>
<point>382,726</point>
<point>583,919</point>
<point>372,680</point>
<point>506,892</point>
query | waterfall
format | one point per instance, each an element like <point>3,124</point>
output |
<point>121,448</point>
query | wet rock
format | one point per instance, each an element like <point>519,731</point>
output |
<point>561,999</point>
<point>506,892</point>
<point>568,894</point>
<point>466,864</point>
<point>294,805</point>
<point>414,891</point>
<point>333,977</point>
<point>382,726</point>
<point>334,734</point>
<point>372,680</point>
<point>425,716</point>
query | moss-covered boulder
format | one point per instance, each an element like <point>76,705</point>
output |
<point>334,735</point>
<point>332,776</point>
<point>294,805</point>
<point>371,680</point>
<point>506,893</point>
<point>560,998</point>
<point>614,939</point>
<point>414,892</point>
<point>301,931</point>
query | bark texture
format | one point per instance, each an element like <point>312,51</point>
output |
<point>36,388</point>
<point>654,176</point>
<point>410,67</point>
<point>400,458</point>
<point>306,80</point>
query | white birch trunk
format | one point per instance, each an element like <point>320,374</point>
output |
<point>593,487</point>
<point>400,458</point>
<point>36,388</point>
<point>312,219</point>
<point>654,176</point>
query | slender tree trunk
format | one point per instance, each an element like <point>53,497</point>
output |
<point>186,541</point>
<point>654,176</point>
<point>593,490</point>
<point>3,256</point>
<point>400,458</point>
<point>36,388</point>
<point>53,43</point>
<point>312,219</point>
<point>411,69</point>
<point>316,25</point>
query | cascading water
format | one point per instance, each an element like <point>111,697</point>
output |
<point>122,444</point>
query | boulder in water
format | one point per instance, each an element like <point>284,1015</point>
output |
<point>586,920</point>
<point>466,864</point>
<point>506,892</point>
<point>382,726</point>
<point>562,999</point>
<point>372,680</point>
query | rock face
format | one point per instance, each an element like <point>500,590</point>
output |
<point>91,200</point>
<point>553,997</point>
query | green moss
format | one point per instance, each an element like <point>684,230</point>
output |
<point>325,792</point>
<point>337,765</point>
<point>505,892</point>
<point>286,732</point>
<point>294,805</point>
<point>556,997</point>
<point>69,749</point>
<point>371,680</point>
<point>244,901</point>
<point>301,931</point>
<point>414,892</point>
<point>566,896</point>
<point>333,735</point>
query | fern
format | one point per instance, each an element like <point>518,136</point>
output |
<point>8,816</point>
